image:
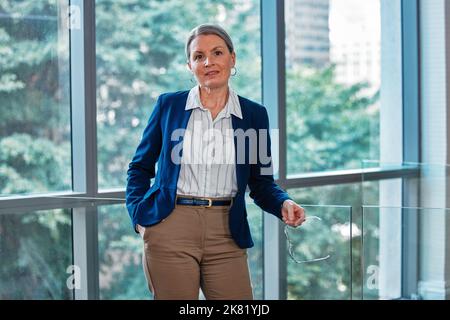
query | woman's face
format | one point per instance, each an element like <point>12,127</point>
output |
<point>211,61</point>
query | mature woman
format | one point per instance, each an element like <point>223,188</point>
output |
<point>210,144</point>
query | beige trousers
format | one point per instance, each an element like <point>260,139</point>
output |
<point>192,249</point>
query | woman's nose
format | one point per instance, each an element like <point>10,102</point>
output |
<point>208,61</point>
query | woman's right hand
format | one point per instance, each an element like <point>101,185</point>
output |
<point>141,230</point>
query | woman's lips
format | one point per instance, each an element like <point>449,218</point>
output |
<point>211,73</point>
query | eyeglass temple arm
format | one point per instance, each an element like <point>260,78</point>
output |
<point>290,248</point>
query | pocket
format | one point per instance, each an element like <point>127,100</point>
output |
<point>148,230</point>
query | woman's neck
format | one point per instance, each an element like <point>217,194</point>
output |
<point>214,99</point>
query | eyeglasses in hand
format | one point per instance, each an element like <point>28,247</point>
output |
<point>291,245</point>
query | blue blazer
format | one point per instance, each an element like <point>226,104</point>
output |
<point>149,204</point>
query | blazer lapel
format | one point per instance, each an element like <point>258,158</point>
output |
<point>179,121</point>
<point>180,117</point>
<point>240,167</point>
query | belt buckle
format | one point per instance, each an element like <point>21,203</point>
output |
<point>209,202</point>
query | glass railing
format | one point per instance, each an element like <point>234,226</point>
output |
<point>387,253</point>
<point>319,254</point>
<point>403,218</point>
<point>405,253</point>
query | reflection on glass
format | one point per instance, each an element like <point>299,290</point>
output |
<point>404,253</point>
<point>35,151</point>
<point>138,61</point>
<point>333,80</point>
<point>35,255</point>
<point>329,243</point>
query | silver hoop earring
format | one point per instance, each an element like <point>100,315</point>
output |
<point>235,71</point>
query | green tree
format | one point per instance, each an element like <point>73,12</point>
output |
<point>329,125</point>
<point>34,96</point>
<point>35,248</point>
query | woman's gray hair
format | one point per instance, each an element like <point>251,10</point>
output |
<point>205,29</point>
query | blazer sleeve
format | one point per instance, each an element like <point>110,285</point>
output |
<point>142,167</point>
<point>263,189</point>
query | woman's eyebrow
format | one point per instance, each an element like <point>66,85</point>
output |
<point>215,48</point>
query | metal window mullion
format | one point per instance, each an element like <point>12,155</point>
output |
<point>411,145</point>
<point>10,205</point>
<point>273,75</point>
<point>84,149</point>
<point>434,23</point>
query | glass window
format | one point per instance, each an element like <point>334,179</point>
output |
<point>120,256</point>
<point>35,150</point>
<point>36,255</point>
<point>141,55</point>
<point>332,95</point>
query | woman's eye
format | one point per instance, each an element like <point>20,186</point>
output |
<point>218,53</point>
<point>199,56</point>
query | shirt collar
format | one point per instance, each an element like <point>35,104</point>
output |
<point>232,107</point>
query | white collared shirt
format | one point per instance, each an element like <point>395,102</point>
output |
<point>208,160</point>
